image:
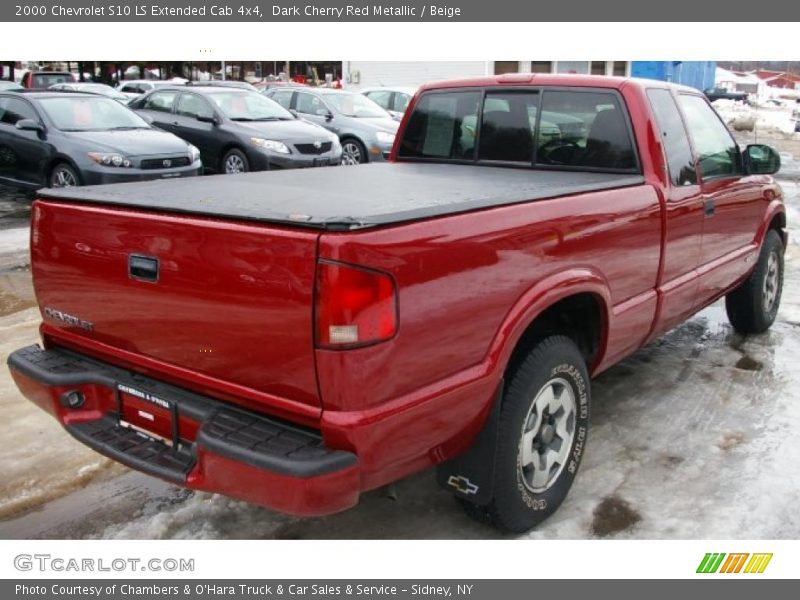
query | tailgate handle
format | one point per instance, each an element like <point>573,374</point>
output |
<point>144,268</point>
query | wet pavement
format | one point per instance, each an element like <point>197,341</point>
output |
<point>694,436</point>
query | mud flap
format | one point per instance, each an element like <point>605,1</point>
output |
<point>471,475</point>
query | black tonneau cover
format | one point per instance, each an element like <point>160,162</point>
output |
<point>347,198</point>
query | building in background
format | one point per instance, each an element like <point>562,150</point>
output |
<point>694,73</point>
<point>361,74</point>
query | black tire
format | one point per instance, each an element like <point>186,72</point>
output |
<point>234,162</point>
<point>353,152</point>
<point>517,506</point>
<point>63,175</point>
<point>753,306</point>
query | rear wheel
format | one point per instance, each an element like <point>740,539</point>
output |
<point>753,306</point>
<point>544,421</point>
<point>353,152</point>
<point>235,162</point>
<point>63,175</point>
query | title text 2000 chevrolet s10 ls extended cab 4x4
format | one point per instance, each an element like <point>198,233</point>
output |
<point>296,341</point>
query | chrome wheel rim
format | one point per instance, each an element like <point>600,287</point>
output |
<point>547,434</point>
<point>234,164</point>
<point>351,154</point>
<point>771,281</point>
<point>63,178</point>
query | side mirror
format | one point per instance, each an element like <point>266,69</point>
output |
<point>761,160</point>
<point>208,119</point>
<point>29,125</point>
<point>294,113</point>
<point>324,112</point>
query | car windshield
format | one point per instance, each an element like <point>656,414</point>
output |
<point>96,113</point>
<point>98,88</point>
<point>249,106</point>
<point>45,80</point>
<point>354,105</point>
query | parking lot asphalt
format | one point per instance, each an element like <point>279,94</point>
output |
<point>694,436</point>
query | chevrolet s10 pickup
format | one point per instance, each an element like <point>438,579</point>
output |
<point>295,340</point>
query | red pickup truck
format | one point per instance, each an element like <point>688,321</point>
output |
<point>295,341</point>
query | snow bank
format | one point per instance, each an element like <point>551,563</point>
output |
<point>741,117</point>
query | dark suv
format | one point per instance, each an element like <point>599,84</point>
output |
<point>61,139</point>
<point>238,130</point>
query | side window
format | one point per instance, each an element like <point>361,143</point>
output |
<point>673,136</point>
<point>13,110</point>
<point>443,125</point>
<point>192,105</point>
<point>160,101</point>
<point>309,104</point>
<point>283,97</point>
<point>585,130</point>
<point>507,126</point>
<point>401,101</point>
<point>381,97</point>
<point>717,153</point>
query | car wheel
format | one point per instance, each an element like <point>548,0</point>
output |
<point>753,306</point>
<point>353,152</point>
<point>544,421</point>
<point>235,162</point>
<point>63,175</point>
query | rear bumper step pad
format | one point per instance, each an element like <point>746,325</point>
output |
<point>277,452</point>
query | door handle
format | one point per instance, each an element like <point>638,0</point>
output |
<point>709,208</point>
<point>143,268</point>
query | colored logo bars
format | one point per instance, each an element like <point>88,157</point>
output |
<point>734,563</point>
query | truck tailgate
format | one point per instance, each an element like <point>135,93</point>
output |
<point>226,300</point>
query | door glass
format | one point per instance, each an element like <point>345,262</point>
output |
<point>716,151</point>
<point>309,104</point>
<point>507,126</point>
<point>381,98</point>
<point>401,101</point>
<point>673,137</point>
<point>191,105</point>
<point>13,110</point>
<point>443,125</point>
<point>160,101</point>
<point>284,98</point>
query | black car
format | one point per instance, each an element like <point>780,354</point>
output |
<point>60,139</point>
<point>722,94</point>
<point>238,130</point>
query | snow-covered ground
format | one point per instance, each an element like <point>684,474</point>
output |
<point>695,436</point>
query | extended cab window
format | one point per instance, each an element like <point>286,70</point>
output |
<point>160,101</point>
<point>673,136</point>
<point>584,130</point>
<point>443,125</point>
<point>716,151</point>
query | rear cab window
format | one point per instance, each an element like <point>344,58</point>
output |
<point>573,129</point>
<point>680,160</point>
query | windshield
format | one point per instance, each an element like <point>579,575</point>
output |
<point>355,105</point>
<point>249,106</point>
<point>90,114</point>
<point>98,88</point>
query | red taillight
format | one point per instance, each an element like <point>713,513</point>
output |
<point>355,306</point>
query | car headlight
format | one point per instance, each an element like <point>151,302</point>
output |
<point>273,145</point>
<point>110,159</point>
<point>384,137</point>
<point>194,153</point>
